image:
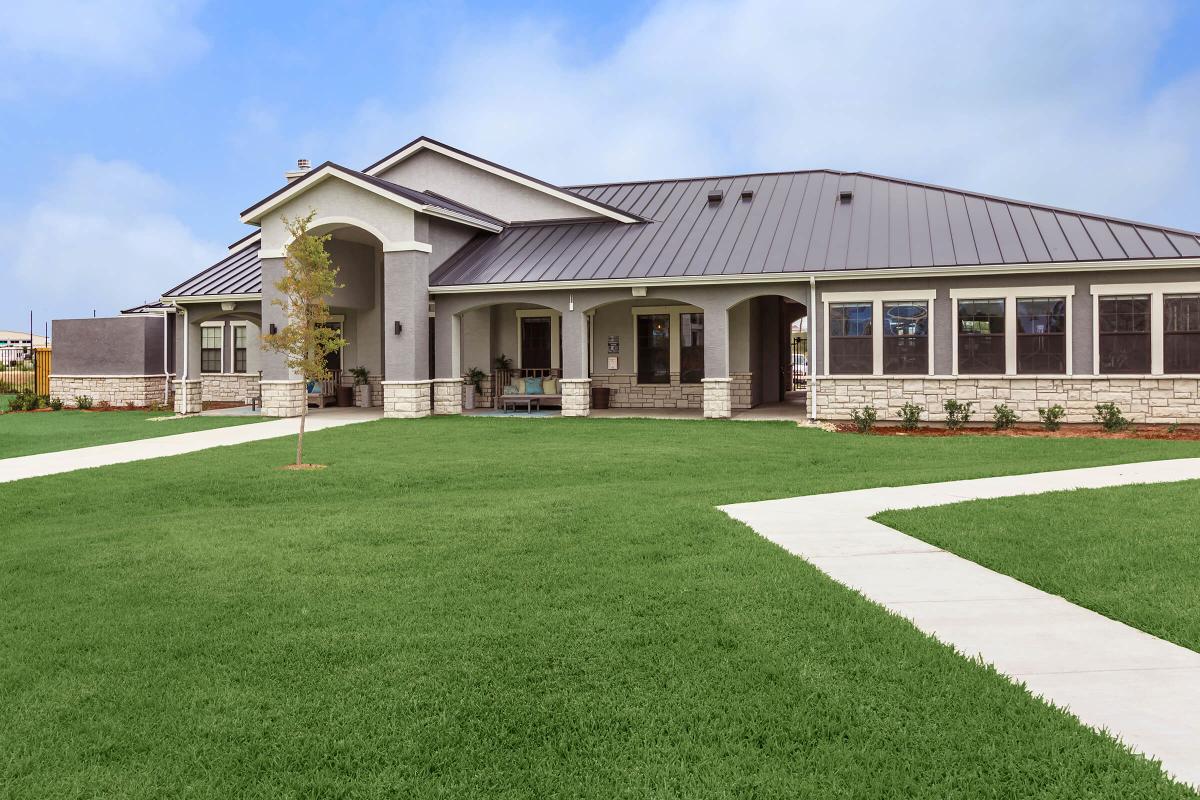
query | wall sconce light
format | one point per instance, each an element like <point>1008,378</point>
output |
<point>570,302</point>
<point>273,329</point>
<point>399,327</point>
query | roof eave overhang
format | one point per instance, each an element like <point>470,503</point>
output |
<point>211,298</point>
<point>256,213</point>
<point>830,275</point>
<point>425,144</point>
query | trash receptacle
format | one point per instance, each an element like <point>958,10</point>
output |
<point>345,396</point>
<point>600,396</point>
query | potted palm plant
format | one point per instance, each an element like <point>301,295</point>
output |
<point>475,378</point>
<point>362,387</point>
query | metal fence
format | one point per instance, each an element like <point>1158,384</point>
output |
<point>18,369</point>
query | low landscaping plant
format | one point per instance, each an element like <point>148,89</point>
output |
<point>957,413</point>
<point>361,375</point>
<point>56,404</point>
<point>864,418</point>
<point>25,400</point>
<point>1173,428</point>
<point>475,377</point>
<point>104,405</point>
<point>910,416</point>
<point>1110,418</point>
<point>1052,417</point>
<point>83,402</point>
<point>1003,417</point>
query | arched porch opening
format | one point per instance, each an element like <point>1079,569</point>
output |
<point>769,342</point>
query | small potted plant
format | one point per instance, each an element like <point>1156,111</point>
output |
<point>475,378</point>
<point>362,387</point>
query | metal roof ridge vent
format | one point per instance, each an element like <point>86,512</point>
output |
<point>303,165</point>
<point>747,194</point>
<point>715,196</point>
<point>845,196</point>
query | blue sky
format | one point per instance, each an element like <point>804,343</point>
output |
<point>135,131</point>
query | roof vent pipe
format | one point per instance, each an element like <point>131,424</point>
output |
<point>845,195</point>
<point>302,168</point>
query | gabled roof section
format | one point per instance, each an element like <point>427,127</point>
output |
<point>410,198</point>
<point>566,194</point>
<point>238,274</point>
<point>805,222</point>
<point>148,308</point>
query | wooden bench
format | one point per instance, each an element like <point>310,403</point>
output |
<point>504,377</point>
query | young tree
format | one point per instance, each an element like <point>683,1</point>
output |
<point>309,279</point>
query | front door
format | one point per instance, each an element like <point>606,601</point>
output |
<point>535,342</point>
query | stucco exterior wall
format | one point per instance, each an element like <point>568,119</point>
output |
<point>492,194</point>
<point>131,345</point>
<point>339,203</point>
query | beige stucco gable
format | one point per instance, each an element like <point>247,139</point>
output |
<point>490,192</point>
<point>339,203</point>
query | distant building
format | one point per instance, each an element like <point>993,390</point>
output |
<point>21,339</point>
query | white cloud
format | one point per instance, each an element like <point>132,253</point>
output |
<point>1042,101</point>
<point>101,236</point>
<point>60,46</point>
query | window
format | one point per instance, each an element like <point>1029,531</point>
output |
<point>1124,325</point>
<point>210,348</point>
<point>906,338</point>
<point>239,348</point>
<point>535,342</point>
<point>850,338</point>
<point>691,347</point>
<point>981,337</point>
<point>1181,333</point>
<point>1042,335</point>
<point>654,348</point>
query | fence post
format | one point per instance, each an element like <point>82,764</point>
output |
<point>42,362</point>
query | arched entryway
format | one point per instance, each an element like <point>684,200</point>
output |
<point>769,342</point>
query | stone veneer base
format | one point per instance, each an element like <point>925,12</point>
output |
<point>406,399</point>
<point>229,387</point>
<point>117,390</point>
<point>1141,399</point>
<point>576,397</point>
<point>188,397</point>
<point>718,398</point>
<point>283,398</point>
<point>447,396</point>
<point>626,392</point>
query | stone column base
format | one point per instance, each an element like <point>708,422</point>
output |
<point>283,398</point>
<point>718,398</point>
<point>576,397</point>
<point>447,396</point>
<point>187,397</point>
<point>406,399</point>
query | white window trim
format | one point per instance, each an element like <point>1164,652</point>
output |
<point>555,327</point>
<point>213,324</point>
<point>672,332</point>
<point>1156,291</point>
<point>233,326</point>
<point>1010,295</point>
<point>877,299</point>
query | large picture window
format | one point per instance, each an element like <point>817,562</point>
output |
<point>1181,333</point>
<point>981,337</point>
<point>1124,334</point>
<point>906,338</point>
<point>850,339</point>
<point>210,348</point>
<point>691,347</point>
<point>535,342</point>
<point>239,348</point>
<point>654,348</point>
<point>1042,335</point>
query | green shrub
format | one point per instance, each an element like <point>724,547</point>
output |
<point>1003,417</point>
<point>83,402</point>
<point>910,416</point>
<point>864,419</point>
<point>56,404</point>
<point>957,414</point>
<point>1109,416</point>
<point>1173,428</point>
<point>1052,417</point>
<point>25,400</point>
<point>104,405</point>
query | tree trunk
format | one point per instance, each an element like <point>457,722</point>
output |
<point>300,438</point>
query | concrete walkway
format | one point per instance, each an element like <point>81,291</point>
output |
<point>14,469</point>
<point>1139,688</point>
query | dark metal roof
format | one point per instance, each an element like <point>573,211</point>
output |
<point>147,308</point>
<point>422,198</point>
<point>797,222</point>
<point>237,273</point>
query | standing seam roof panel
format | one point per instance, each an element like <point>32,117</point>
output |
<point>899,248</point>
<point>741,257</point>
<point>1131,243</point>
<point>919,241</point>
<point>1052,235</point>
<point>960,229</point>
<point>986,244</point>
<point>1006,232</point>
<point>1077,237</point>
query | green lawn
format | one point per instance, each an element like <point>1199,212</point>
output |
<point>44,432</point>
<point>4,398</point>
<point>1131,553</point>
<point>503,608</point>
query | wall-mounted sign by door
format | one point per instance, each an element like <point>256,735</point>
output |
<point>614,344</point>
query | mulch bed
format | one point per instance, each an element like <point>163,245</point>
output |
<point>1189,433</point>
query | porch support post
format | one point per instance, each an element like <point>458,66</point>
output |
<point>406,384</point>
<point>718,391</point>
<point>281,390</point>
<point>448,381</point>
<point>576,381</point>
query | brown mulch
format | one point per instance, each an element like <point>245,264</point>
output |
<point>1184,433</point>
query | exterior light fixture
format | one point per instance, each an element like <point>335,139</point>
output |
<point>570,302</point>
<point>273,329</point>
<point>399,327</point>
